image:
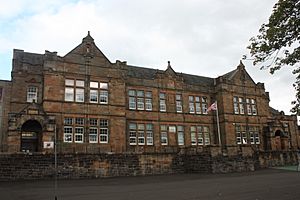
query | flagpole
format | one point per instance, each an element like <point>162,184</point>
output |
<point>218,124</point>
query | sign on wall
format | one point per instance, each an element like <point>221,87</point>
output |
<point>48,145</point>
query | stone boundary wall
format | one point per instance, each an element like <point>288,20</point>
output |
<point>76,166</point>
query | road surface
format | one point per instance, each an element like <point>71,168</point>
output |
<point>268,184</point>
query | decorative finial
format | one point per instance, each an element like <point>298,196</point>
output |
<point>169,64</point>
<point>241,65</point>
<point>88,38</point>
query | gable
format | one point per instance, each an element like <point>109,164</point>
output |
<point>87,51</point>
<point>239,76</point>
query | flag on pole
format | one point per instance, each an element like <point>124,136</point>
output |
<point>213,107</point>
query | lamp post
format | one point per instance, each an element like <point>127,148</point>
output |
<point>55,164</point>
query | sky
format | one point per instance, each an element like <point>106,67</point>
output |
<point>200,37</point>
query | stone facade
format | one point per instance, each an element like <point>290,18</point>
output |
<point>20,166</point>
<point>96,106</point>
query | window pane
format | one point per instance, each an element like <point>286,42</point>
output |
<point>198,108</point>
<point>93,122</point>
<point>68,121</point>
<point>32,94</point>
<point>140,93</point>
<point>94,96</point>
<point>79,95</point>
<point>103,123</point>
<point>180,138</point>
<point>132,126</point>
<point>69,94</point>
<point>141,127</point>
<point>79,83</point>
<point>103,85</point>
<point>149,138</point>
<point>191,107</point>
<point>193,138</point>
<point>163,127</point>
<point>140,103</point>
<point>103,97</point>
<point>149,126</point>
<point>79,134</point>
<point>93,84</point>
<point>132,104</point>
<point>69,82</point>
<point>178,106</point>
<point>131,92</point>
<point>180,128</point>
<point>172,129</point>
<point>164,138</point>
<point>162,105</point>
<point>79,121</point>
<point>148,104</point>
<point>149,94</point>
<point>103,135</point>
<point>93,135</point>
<point>162,95</point>
<point>68,134</point>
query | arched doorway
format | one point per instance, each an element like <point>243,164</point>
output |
<point>31,135</point>
<point>279,144</point>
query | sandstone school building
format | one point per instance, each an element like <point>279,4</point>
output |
<point>96,106</point>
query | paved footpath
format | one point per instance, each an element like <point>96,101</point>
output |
<point>273,184</point>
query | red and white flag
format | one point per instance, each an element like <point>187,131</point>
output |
<point>213,107</point>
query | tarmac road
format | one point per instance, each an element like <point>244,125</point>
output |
<point>260,185</point>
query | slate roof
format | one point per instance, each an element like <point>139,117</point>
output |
<point>198,80</point>
<point>148,73</point>
<point>274,111</point>
<point>141,72</point>
<point>230,74</point>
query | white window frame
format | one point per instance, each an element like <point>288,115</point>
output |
<point>103,97</point>
<point>103,136</point>
<point>193,135</point>
<point>69,94</point>
<point>241,105</point>
<point>32,94</point>
<point>180,135</point>
<point>93,96</point>
<point>68,134</point>
<point>79,95</point>
<point>79,133</point>
<point>148,100</point>
<point>164,135</point>
<point>149,134</point>
<point>206,135</point>
<point>204,105</point>
<point>140,103</point>
<point>132,133</point>
<point>178,103</point>
<point>162,102</point>
<point>132,103</point>
<point>93,133</point>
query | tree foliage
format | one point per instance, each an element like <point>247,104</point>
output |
<point>278,42</point>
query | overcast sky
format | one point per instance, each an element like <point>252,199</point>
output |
<point>201,37</point>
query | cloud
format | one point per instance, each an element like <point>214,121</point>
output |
<point>206,37</point>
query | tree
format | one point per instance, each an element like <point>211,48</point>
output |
<point>278,43</point>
